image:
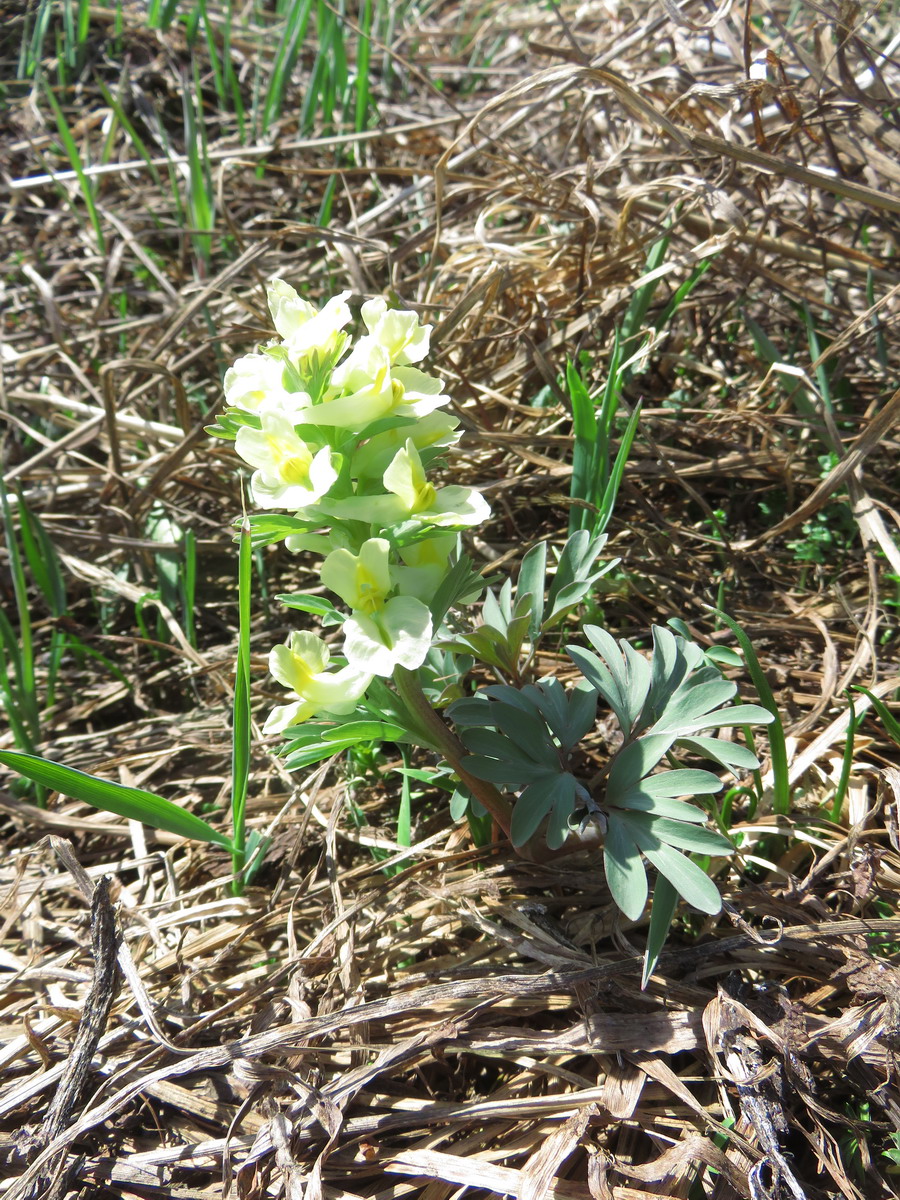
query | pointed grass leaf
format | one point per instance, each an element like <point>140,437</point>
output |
<point>611,491</point>
<point>781,783</point>
<point>241,731</point>
<point>624,868</point>
<point>42,559</point>
<point>86,186</point>
<point>133,803</point>
<point>888,720</point>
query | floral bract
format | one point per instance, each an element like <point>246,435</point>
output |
<point>336,432</point>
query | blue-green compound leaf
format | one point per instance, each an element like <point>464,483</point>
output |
<point>527,730</point>
<point>133,803</point>
<point>731,755</point>
<point>696,839</point>
<point>531,582</point>
<point>694,700</point>
<point>694,885</point>
<point>665,901</point>
<point>634,763</point>
<point>539,753</point>
<point>625,873</point>
<point>683,782</point>
<point>550,796</point>
<point>474,710</point>
<point>503,772</point>
<point>660,806</point>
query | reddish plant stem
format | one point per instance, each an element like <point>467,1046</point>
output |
<point>445,740</point>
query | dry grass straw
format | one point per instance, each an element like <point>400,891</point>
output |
<point>472,1022</point>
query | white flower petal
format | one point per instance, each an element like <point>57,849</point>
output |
<point>303,327</point>
<point>399,635</point>
<point>287,714</point>
<point>300,665</point>
<point>361,580</point>
<point>405,340</point>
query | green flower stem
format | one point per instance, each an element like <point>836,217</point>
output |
<point>442,737</point>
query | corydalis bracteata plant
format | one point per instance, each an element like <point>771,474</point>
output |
<point>340,435</point>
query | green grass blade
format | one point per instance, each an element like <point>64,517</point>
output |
<point>608,502</point>
<point>586,429</point>
<point>189,586</point>
<point>32,50</point>
<point>682,293</point>
<point>285,57</point>
<point>847,761</point>
<point>84,22</point>
<point>781,784</point>
<point>363,53</point>
<point>43,561</point>
<point>815,350</point>
<point>636,313</point>
<point>888,720</point>
<point>133,803</point>
<point>230,79</point>
<point>71,149</point>
<point>161,13</point>
<point>240,754</point>
<point>214,58</point>
<point>10,659</point>
<point>118,111</point>
<point>23,647</point>
<point>201,205</point>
